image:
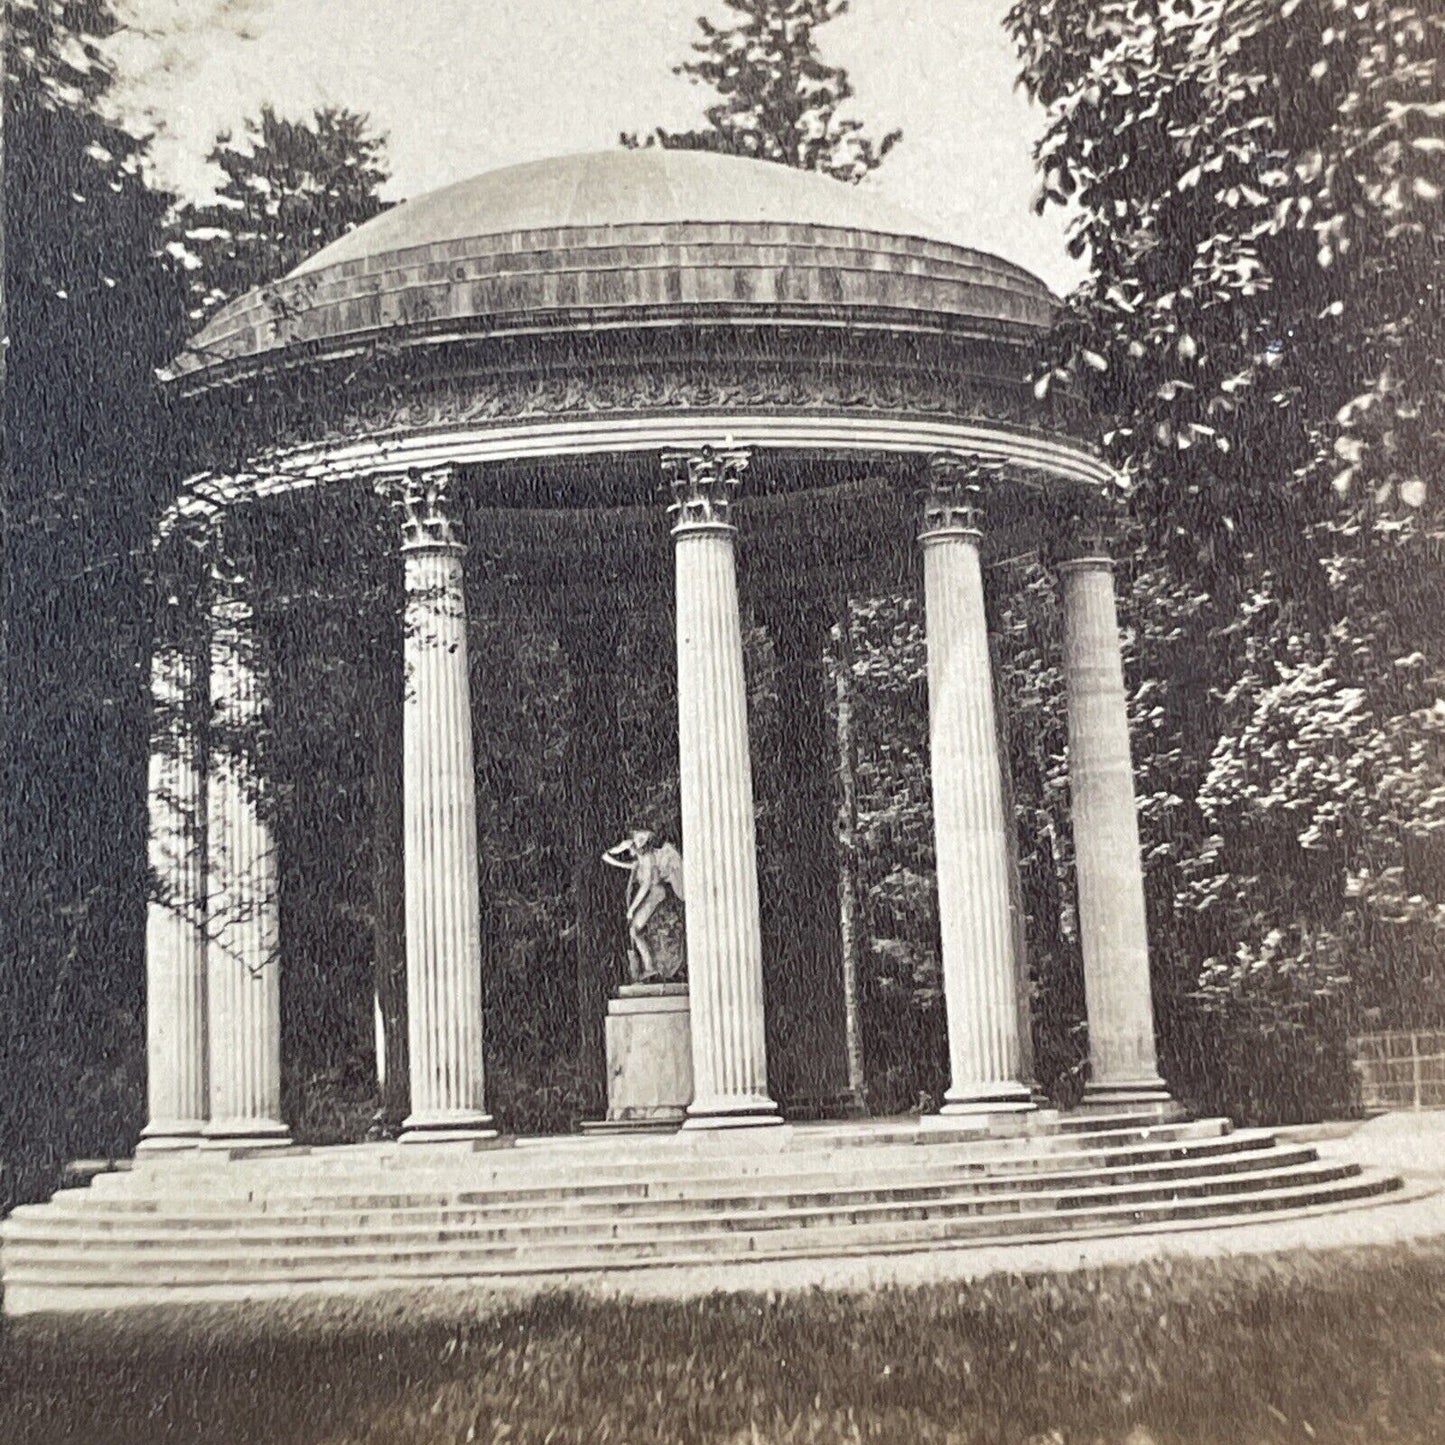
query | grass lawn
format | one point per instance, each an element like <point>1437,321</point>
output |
<point>1308,1347</point>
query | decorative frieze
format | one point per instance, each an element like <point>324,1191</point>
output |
<point>426,406</point>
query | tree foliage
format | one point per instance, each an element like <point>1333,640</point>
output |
<point>778,100</point>
<point>1258,188</point>
<point>92,307</point>
<point>290,188</point>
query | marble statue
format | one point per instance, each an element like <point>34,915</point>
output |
<point>654,906</point>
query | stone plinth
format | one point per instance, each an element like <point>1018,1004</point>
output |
<point>649,1054</point>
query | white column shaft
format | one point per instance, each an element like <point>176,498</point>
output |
<point>176,1063</point>
<point>1106,839</point>
<point>980,975</point>
<point>724,932</point>
<point>243,966</point>
<point>443,903</point>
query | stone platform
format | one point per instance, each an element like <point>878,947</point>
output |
<point>210,1226</point>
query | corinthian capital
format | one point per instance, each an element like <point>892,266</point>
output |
<point>428,517</point>
<point>956,485</point>
<point>1084,532</point>
<point>703,483</point>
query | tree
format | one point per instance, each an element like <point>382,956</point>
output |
<point>91,309</point>
<point>777,99</point>
<point>1259,191</point>
<point>1259,188</point>
<point>291,187</point>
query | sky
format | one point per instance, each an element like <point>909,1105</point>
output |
<point>464,86</point>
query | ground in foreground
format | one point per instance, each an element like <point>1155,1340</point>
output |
<point>1332,1346</point>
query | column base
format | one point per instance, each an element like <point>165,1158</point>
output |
<point>1144,1093</point>
<point>655,1124</point>
<point>458,1128</point>
<point>170,1137</point>
<point>245,1134</point>
<point>1005,1098</point>
<point>743,1111</point>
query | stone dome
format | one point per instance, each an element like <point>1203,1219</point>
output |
<point>618,239</point>
<point>651,187</point>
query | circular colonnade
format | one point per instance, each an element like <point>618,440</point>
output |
<point>543,373</point>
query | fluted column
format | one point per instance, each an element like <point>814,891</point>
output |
<point>443,903</point>
<point>724,931</point>
<point>243,963</point>
<point>1106,839</point>
<point>980,974</point>
<point>176,1063</point>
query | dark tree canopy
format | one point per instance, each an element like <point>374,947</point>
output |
<point>92,309</point>
<point>778,100</point>
<point>291,187</point>
<point>1259,190</point>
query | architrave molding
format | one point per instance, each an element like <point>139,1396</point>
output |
<point>1026,453</point>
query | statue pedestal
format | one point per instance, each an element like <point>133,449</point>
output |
<point>649,1056</point>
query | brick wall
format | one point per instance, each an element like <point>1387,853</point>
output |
<point>1400,1070</point>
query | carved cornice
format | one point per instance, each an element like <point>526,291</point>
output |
<point>1032,456</point>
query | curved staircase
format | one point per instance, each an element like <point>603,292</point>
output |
<point>205,1225</point>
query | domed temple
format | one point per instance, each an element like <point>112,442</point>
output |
<point>559,381</point>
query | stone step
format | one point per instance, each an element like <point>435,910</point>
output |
<point>180,1213</point>
<point>281,1235</point>
<point>207,1176</point>
<point>60,1281</point>
<point>442,1191</point>
<point>241,1180</point>
<point>209,1223</point>
<point>941,1129</point>
<point>649,1147</point>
